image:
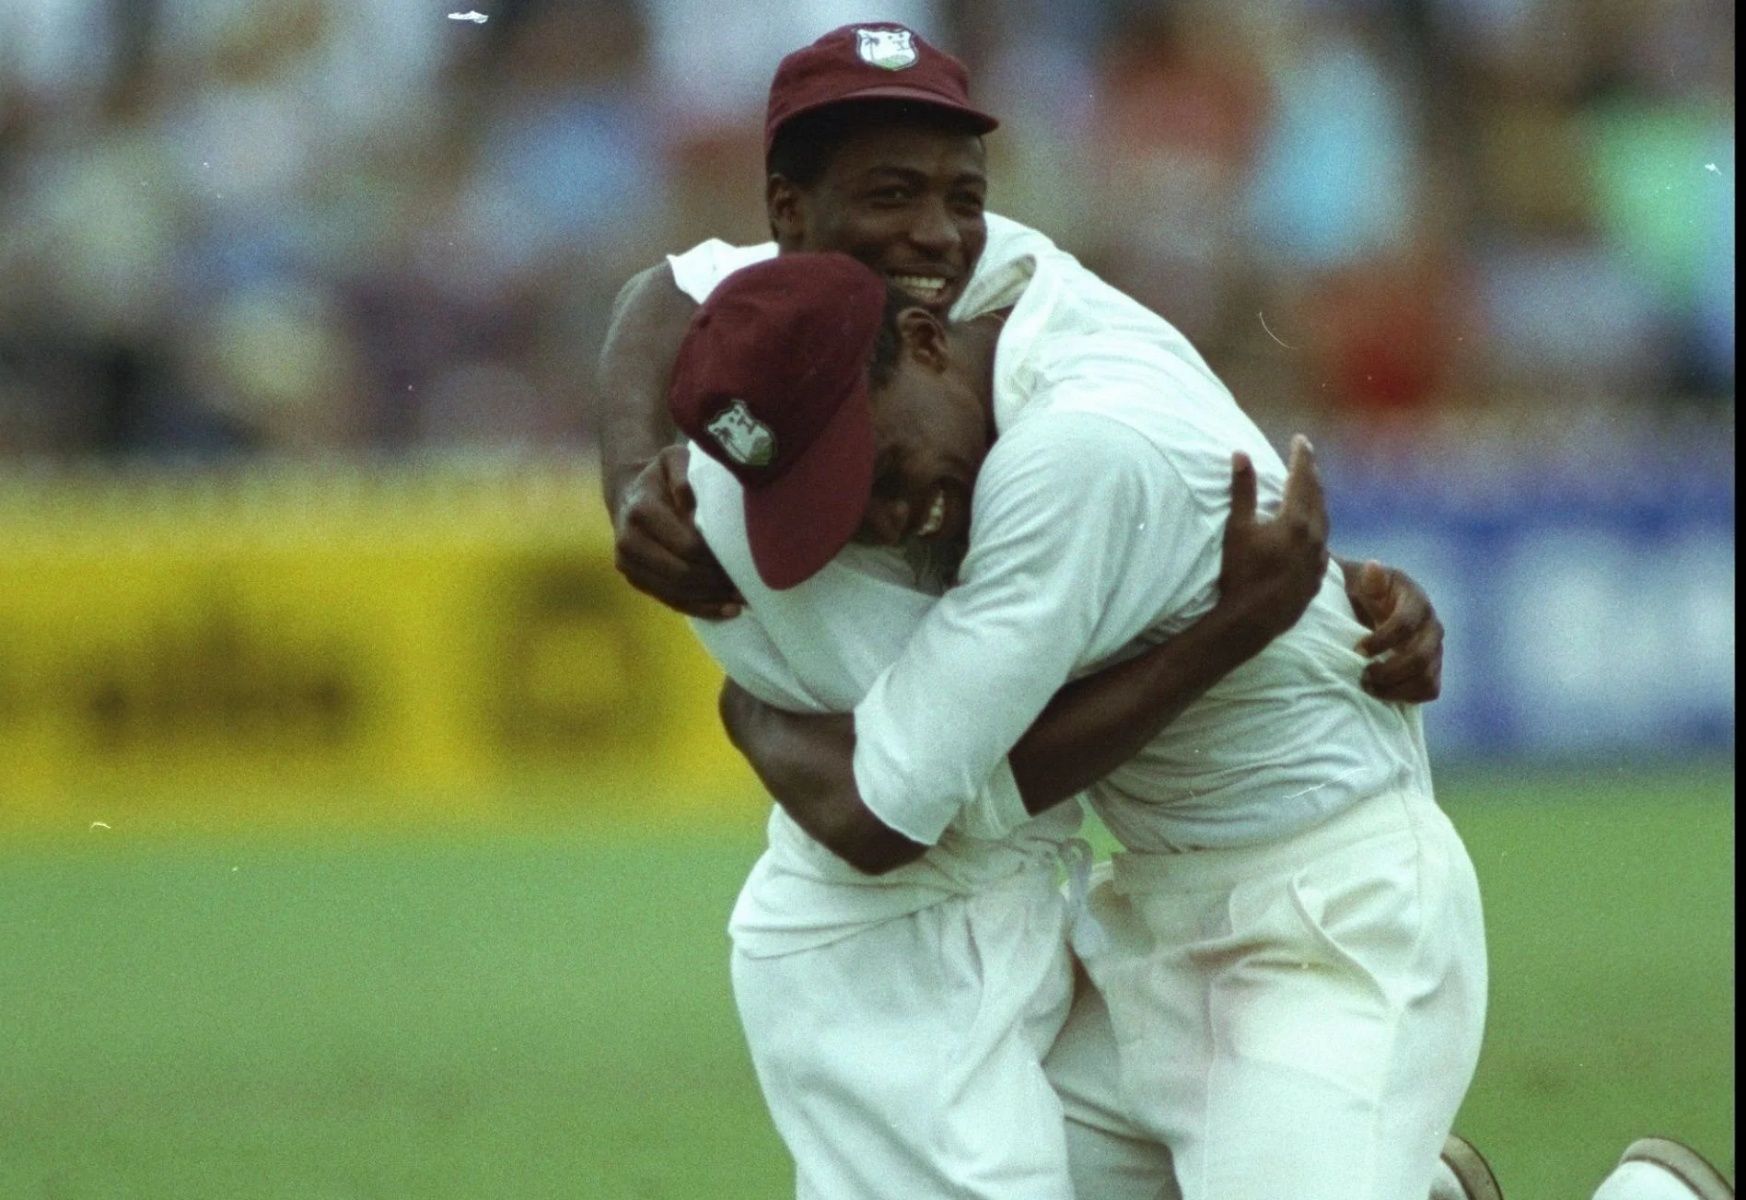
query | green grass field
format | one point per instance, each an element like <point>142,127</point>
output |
<point>516,1016</point>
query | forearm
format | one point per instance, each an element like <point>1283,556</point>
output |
<point>648,322</point>
<point>1095,724</point>
<point>1090,728</point>
<point>806,762</point>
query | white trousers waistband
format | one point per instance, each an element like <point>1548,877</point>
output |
<point>1198,870</point>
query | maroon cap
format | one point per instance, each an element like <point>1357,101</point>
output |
<point>880,61</point>
<point>771,382</point>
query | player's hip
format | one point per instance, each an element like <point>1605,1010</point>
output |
<point>1379,904</point>
<point>959,974</point>
<point>918,1044</point>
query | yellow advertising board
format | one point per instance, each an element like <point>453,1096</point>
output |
<point>432,636</point>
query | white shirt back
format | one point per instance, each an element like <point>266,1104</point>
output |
<point>1096,529</point>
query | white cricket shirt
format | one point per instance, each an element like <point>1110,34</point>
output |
<point>1096,528</point>
<point>818,647</point>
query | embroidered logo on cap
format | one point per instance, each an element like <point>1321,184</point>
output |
<point>893,49</point>
<point>742,437</point>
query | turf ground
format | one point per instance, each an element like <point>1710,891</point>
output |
<point>514,1016</point>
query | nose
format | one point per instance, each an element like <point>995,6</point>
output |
<point>885,522</point>
<point>934,230</point>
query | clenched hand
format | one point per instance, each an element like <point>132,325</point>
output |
<point>656,545</point>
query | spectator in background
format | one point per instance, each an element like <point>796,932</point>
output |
<point>556,181</point>
<point>1364,207</point>
<point>256,133</point>
<point>1041,69</point>
<point>1181,109</point>
<point>1338,215</point>
<point>1586,198</point>
<point>1714,327</point>
<point>90,221</point>
<point>1655,128</point>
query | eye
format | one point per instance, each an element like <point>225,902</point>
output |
<point>891,194</point>
<point>967,202</point>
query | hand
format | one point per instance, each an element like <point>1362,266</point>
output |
<point>1272,569</point>
<point>657,548</point>
<point>1406,638</point>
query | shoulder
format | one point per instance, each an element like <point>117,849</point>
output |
<point>1008,238</point>
<point>652,293</point>
<point>1073,440</point>
<point>1054,462</point>
<point>698,271</point>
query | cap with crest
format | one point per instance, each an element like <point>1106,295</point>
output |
<point>880,61</point>
<point>771,381</point>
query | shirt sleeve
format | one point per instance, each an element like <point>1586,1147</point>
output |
<point>1080,538</point>
<point>829,638</point>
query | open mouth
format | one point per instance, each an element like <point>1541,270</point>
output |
<point>936,515</point>
<point>929,289</point>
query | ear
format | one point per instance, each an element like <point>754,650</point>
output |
<point>924,337</point>
<point>782,204</point>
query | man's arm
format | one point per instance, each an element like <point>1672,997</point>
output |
<point>805,763</point>
<point>1270,572</point>
<point>656,543</point>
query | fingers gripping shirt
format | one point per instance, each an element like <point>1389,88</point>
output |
<point>1079,532</point>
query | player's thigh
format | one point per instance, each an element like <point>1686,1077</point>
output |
<point>1314,1030</point>
<point>1266,1123</point>
<point>1110,1158</point>
<point>906,1060</point>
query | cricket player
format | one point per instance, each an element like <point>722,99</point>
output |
<point>1289,962</point>
<point>845,171</point>
<point>658,549</point>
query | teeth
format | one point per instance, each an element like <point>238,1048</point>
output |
<point>936,516</point>
<point>922,285</point>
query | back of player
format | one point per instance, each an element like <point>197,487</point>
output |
<point>1289,960</point>
<point>1286,740</point>
<point>1289,956</point>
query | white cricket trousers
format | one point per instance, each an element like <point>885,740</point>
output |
<point>905,1062</point>
<point>1293,1021</point>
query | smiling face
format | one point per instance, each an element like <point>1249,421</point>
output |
<point>931,433</point>
<point>903,196</point>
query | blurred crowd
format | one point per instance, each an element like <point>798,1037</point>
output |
<point>312,227</point>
